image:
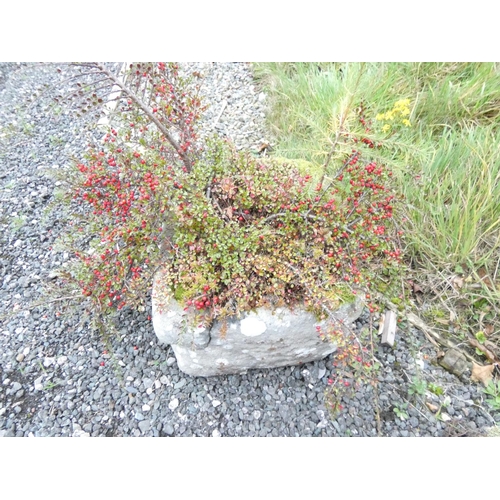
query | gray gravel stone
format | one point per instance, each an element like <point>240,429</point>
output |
<point>180,384</point>
<point>145,426</point>
<point>15,387</point>
<point>168,429</point>
<point>174,403</point>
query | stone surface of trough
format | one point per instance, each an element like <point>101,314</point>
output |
<point>264,338</point>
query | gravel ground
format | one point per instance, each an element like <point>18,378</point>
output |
<point>58,379</point>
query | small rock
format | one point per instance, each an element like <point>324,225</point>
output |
<point>48,362</point>
<point>147,383</point>
<point>216,433</point>
<point>146,407</point>
<point>454,361</point>
<point>322,424</point>
<point>38,383</point>
<point>171,361</point>
<point>216,403</point>
<point>173,404</point>
<point>20,358</point>
<point>77,431</point>
<point>164,379</point>
<point>157,384</point>
<point>15,387</point>
<point>193,410</point>
<point>61,360</point>
<point>168,429</point>
<point>145,425</point>
<point>179,385</point>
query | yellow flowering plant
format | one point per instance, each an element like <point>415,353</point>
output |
<point>396,117</point>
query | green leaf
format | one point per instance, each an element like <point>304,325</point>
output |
<point>481,337</point>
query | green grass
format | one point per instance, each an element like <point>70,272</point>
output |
<point>447,164</point>
<point>308,105</point>
<point>454,206</point>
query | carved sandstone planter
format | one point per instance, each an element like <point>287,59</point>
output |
<point>264,338</point>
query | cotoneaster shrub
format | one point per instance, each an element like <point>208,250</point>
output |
<point>248,231</point>
<point>228,231</point>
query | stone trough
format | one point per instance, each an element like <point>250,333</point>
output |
<point>264,338</point>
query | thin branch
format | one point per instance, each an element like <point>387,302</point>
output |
<point>335,177</point>
<point>50,87</point>
<point>330,154</point>
<point>34,305</point>
<point>339,130</point>
<point>283,214</point>
<point>148,113</point>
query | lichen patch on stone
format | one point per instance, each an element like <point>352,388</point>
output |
<point>252,327</point>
